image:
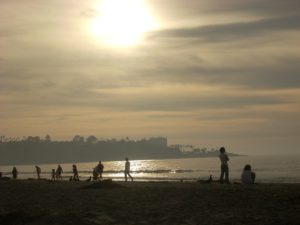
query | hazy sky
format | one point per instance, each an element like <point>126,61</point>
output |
<point>198,72</point>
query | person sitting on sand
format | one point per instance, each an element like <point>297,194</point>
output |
<point>248,177</point>
<point>38,172</point>
<point>224,166</point>
<point>95,173</point>
<point>127,170</point>
<point>53,174</point>
<point>58,172</point>
<point>75,173</point>
<point>208,181</point>
<point>14,173</point>
<point>3,178</point>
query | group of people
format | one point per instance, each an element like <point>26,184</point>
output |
<point>98,171</point>
<point>57,174</point>
<point>247,177</point>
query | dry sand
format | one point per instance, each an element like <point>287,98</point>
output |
<point>82,203</point>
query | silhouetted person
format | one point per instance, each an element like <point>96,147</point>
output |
<point>53,174</point>
<point>100,169</point>
<point>95,173</point>
<point>248,177</point>
<point>209,179</point>
<point>14,173</point>
<point>75,173</point>
<point>58,172</point>
<point>38,172</point>
<point>127,170</point>
<point>4,178</point>
<point>224,166</point>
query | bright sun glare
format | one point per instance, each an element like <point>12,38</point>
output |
<point>122,22</point>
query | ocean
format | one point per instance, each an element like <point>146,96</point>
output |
<point>268,169</point>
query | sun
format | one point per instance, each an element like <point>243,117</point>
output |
<point>122,22</point>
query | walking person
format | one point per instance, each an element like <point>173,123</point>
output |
<point>14,173</point>
<point>75,173</point>
<point>127,170</point>
<point>224,166</point>
<point>38,172</point>
<point>58,172</point>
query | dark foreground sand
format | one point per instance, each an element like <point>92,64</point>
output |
<point>46,202</point>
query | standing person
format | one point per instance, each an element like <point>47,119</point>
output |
<point>75,173</point>
<point>14,172</point>
<point>38,172</point>
<point>58,172</point>
<point>97,172</point>
<point>224,166</point>
<point>100,169</point>
<point>248,177</point>
<point>127,170</point>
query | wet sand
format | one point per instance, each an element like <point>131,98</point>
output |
<point>82,203</point>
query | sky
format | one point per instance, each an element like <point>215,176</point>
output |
<point>209,73</point>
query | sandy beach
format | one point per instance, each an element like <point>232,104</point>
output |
<point>46,202</point>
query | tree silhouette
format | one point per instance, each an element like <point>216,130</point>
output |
<point>47,138</point>
<point>78,138</point>
<point>91,139</point>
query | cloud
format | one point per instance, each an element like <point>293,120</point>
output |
<point>252,72</point>
<point>217,10</point>
<point>213,68</point>
<point>257,7</point>
<point>230,32</point>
